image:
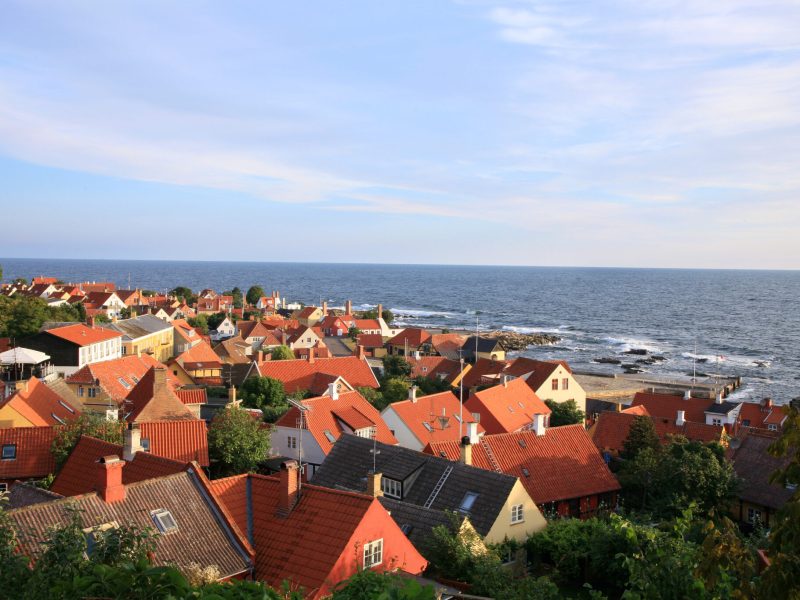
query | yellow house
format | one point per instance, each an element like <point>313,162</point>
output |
<point>309,316</point>
<point>551,380</point>
<point>35,405</point>
<point>146,334</point>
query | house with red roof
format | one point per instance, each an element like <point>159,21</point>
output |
<point>310,433</point>
<point>309,315</point>
<point>299,374</point>
<point>409,341</point>
<point>508,407</point>
<point>185,336</point>
<point>217,304</point>
<point>762,415</point>
<point>368,326</point>
<point>560,467</point>
<point>696,410</point>
<point>25,454</point>
<point>448,344</point>
<point>34,404</point>
<point>372,343</point>
<point>106,302</point>
<point>437,367</point>
<point>313,537</point>
<point>256,334</point>
<point>336,326</point>
<point>73,346</point>
<point>416,422</point>
<point>197,365</point>
<point>611,430</point>
<point>104,386</point>
<point>304,337</point>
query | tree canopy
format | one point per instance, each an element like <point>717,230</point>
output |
<point>642,434</point>
<point>23,316</point>
<point>281,353</point>
<point>259,392</point>
<point>565,413</point>
<point>184,293</point>
<point>237,442</point>
<point>254,294</point>
<point>87,423</point>
<point>395,366</point>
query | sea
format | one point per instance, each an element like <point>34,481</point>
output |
<point>709,322</point>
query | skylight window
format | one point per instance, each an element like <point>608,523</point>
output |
<point>427,426</point>
<point>125,384</point>
<point>67,406</point>
<point>511,410</point>
<point>468,501</point>
<point>526,472</point>
<point>145,442</point>
<point>9,451</point>
<point>57,418</point>
<point>523,444</point>
<point>329,435</point>
<point>164,520</point>
<point>457,418</point>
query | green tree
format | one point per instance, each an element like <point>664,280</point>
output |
<point>258,392</point>
<point>353,333</point>
<point>431,385</point>
<point>368,584</point>
<point>642,434</point>
<point>184,293</point>
<point>396,367</point>
<point>27,315</point>
<point>236,294</point>
<point>88,423</point>
<point>254,294</point>
<point>215,319</point>
<point>200,322</point>
<point>237,442</point>
<point>282,353</point>
<point>373,396</point>
<point>565,413</point>
<point>394,390</point>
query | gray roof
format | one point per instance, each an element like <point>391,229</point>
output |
<point>484,345</point>
<point>351,459</point>
<point>754,465</point>
<point>416,522</point>
<point>137,327</point>
<point>723,408</point>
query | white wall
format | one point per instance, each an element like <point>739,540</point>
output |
<point>401,431</point>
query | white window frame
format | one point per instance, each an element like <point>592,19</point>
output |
<point>753,515</point>
<point>392,488</point>
<point>517,514</point>
<point>291,442</point>
<point>373,554</point>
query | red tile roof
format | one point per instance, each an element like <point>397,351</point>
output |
<point>667,406</point>
<point>321,417</point>
<point>112,373</point>
<point>83,335</point>
<point>34,459</point>
<point>367,324</point>
<point>40,405</point>
<point>535,372</point>
<point>183,441</point>
<point>317,538</point>
<point>612,429</point>
<point>562,464</point>
<point>299,374</point>
<point>430,409</point>
<point>415,338</point>
<point>370,340</point>
<point>636,410</point>
<point>506,407</point>
<point>252,329</point>
<point>483,367</point>
<point>192,396</point>
<point>434,366</point>
<point>78,474</point>
<point>154,401</point>
<point>201,353</point>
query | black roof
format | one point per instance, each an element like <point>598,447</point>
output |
<point>351,460</point>
<point>416,522</point>
<point>484,345</point>
<point>723,408</point>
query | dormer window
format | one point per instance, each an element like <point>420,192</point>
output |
<point>392,488</point>
<point>329,436</point>
<point>145,442</point>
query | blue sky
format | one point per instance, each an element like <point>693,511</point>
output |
<point>628,133</point>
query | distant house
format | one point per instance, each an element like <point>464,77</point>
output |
<point>498,506</point>
<point>304,337</point>
<point>107,303</point>
<point>234,351</point>
<point>312,432</point>
<point>477,347</point>
<point>146,334</point>
<point>416,422</point>
<point>314,537</point>
<point>372,344</point>
<point>225,329</point>
<point>34,404</point>
<point>437,367</point>
<point>696,410</point>
<point>759,499</point>
<point>611,430</point>
<point>215,304</point>
<point>560,467</point>
<point>334,326</point>
<point>762,415</point>
<point>185,336</point>
<point>73,346</point>
<point>508,407</point>
<point>25,454</point>
<point>301,374</point>
<point>18,365</point>
<point>409,341</point>
<point>198,365</point>
<point>256,334</point>
<point>309,316</point>
<point>368,326</point>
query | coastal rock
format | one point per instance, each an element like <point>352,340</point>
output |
<point>636,351</point>
<point>608,361</point>
<point>513,341</point>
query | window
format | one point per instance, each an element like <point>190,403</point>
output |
<point>291,442</point>
<point>373,553</point>
<point>565,383</point>
<point>427,426</point>
<point>329,435</point>
<point>468,501</point>
<point>365,432</point>
<point>3,487</point>
<point>392,488</point>
<point>67,406</point>
<point>526,472</point>
<point>145,442</point>
<point>517,514</point>
<point>164,520</point>
<point>57,418</point>
<point>753,515</point>
<point>92,392</point>
<point>554,383</point>
<point>80,391</point>
<point>125,384</point>
<point>9,451</point>
<point>772,427</point>
<point>716,421</point>
<point>424,369</point>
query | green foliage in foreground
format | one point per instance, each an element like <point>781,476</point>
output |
<point>565,413</point>
<point>237,442</point>
<point>92,424</point>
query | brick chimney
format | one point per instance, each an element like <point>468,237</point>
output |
<point>109,479</point>
<point>360,352</point>
<point>260,356</point>
<point>538,424</point>
<point>348,307</point>
<point>380,311</point>
<point>159,378</point>
<point>374,485</point>
<point>466,451</point>
<point>90,321</point>
<point>311,356</point>
<point>131,442</point>
<point>687,395</point>
<point>289,491</point>
<point>324,308</point>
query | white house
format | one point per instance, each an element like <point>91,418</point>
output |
<point>224,330</point>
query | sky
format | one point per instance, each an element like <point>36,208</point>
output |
<point>641,133</point>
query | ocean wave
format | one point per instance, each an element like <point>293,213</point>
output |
<point>415,312</point>
<point>623,344</point>
<point>744,361</point>
<point>552,330</point>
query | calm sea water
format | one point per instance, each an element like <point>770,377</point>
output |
<point>751,318</point>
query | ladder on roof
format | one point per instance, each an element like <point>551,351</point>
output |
<point>438,487</point>
<point>490,455</point>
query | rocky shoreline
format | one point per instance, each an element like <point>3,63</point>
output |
<point>513,341</point>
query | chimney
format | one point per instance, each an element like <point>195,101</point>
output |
<point>412,393</point>
<point>687,395</point>
<point>232,394</point>
<point>538,424</point>
<point>348,307</point>
<point>260,356</point>
<point>417,354</point>
<point>159,378</point>
<point>284,338</point>
<point>333,391</point>
<point>360,352</point>
<point>505,380</point>
<point>90,321</point>
<point>472,433</point>
<point>324,308</point>
<point>681,420</point>
<point>380,311</point>
<point>311,356</point>
<point>374,485</point>
<point>466,451</point>
<point>109,479</point>
<point>718,398</point>
<point>767,402</point>
<point>289,490</point>
<point>132,442</point>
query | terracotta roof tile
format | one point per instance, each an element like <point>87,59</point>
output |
<point>118,377</point>
<point>612,429</point>
<point>40,405</point>
<point>154,400</point>
<point>434,366</point>
<point>82,335</point>
<point>506,407</point>
<point>414,336</point>
<point>192,395</point>
<point>430,409</point>
<point>299,374</point>
<point>33,459</point>
<point>184,441</point>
